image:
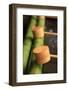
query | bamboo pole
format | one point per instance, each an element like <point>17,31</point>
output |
<point>28,42</point>
<point>54,56</point>
<point>37,68</point>
<point>50,33</point>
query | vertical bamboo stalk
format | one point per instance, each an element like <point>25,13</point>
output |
<point>28,42</point>
<point>37,68</point>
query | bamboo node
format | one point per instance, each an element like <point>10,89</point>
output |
<point>42,54</point>
<point>38,32</point>
<point>41,17</point>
